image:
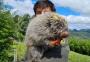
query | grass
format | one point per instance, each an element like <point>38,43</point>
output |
<point>76,57</point>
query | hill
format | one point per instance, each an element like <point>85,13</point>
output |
<point>83,33</point>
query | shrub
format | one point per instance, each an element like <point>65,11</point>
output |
<point>80,45</point>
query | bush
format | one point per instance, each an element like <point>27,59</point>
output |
<point>19,52</point>
<point>80,45</point>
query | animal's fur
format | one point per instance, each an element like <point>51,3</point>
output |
<point>40,30</point>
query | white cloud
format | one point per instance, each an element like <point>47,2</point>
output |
<point>82,6</point>
<point>79,26</point>
<point>21,7</point>
<point>78,19</point>
<point>78,22</point>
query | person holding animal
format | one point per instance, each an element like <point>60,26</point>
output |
<point>44,35</point>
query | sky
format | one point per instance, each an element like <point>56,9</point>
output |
<point>76,12</point>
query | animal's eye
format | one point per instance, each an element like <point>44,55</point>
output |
<point>49,24</point>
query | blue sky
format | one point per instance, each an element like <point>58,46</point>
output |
<point>77,13</point>
<point>66,11</point>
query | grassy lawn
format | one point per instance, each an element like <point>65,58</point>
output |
<point>76,57</point>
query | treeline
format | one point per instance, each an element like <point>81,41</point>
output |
<point>12,28</point>
<point>83,33</point>
<point>81,30</point>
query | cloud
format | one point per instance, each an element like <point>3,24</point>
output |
<point>20,7</point>
<point>79,26</point>
<point>78,22</point>
<point>82,6</point>
<point>78,19</point>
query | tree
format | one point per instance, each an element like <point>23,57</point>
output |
<point>7,33</point>
<point>21,23</point>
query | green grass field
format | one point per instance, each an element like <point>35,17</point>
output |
<point>76,57</point>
